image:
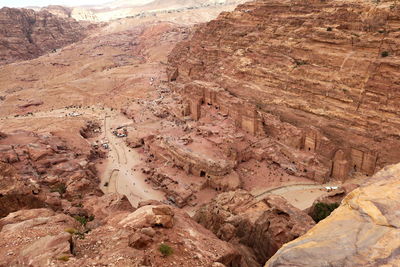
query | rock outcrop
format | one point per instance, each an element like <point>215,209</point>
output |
<point>329,69</point>
<point>26,34</point>
<point>258,227</point>
<point>41,170</point>
<point>35,237</point>
<point>363,231</point>
<point>60,11</point>
<point>153,235</point>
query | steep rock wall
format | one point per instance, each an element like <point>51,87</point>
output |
<point>26,34</point>
<point>329,68</point>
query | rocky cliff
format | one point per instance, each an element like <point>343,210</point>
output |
<point>60,11</point>
<point>257,228</point>
<point>26,34</point>
<point>330,69</point>
<point>363,231</point>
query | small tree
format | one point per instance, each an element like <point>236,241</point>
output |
<point>323,210</point>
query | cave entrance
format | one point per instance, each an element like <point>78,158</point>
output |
<point>202,173</point>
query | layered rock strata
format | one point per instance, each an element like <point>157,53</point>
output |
<point>329,69</point>
<point>26,34</point>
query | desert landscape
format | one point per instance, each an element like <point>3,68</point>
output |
<point>200,133</point>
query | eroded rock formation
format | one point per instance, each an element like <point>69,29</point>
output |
<point>42,237</point>
<point>40,170</point>
<point>26,34</point>
<point>363,231</point>
<point>261,226</point>
<point>317,77</point>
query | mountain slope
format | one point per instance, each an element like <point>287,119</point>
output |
<point>26,34</point>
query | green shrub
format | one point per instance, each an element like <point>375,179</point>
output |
<point>84,219</point>
<point>384,54</point>
<point>323,210</point>
<point>165,249</point>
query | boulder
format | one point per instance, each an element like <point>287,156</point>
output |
<point>139,240</point>
<point>363,231</point>
<point>49,247</point>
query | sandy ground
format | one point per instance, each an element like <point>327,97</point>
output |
<point>122,173</point>
<point>301,196</point>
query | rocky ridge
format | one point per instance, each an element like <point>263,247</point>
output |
<point>26,34</point>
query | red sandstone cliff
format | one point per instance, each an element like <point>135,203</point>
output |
<point>26,34</point>
<point>331,69</point>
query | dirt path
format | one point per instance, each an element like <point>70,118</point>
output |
<point>301,196</point>
<point>129,180</point>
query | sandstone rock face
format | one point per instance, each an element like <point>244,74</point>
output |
<point>16,194</point>
<point>60,11</point>
<point>35,237</point>
<point>131,239</point>
<point>328,69</point>
<point>26,34</point>
<point>40,170</point>
<point>262,226</point>
<point>363,231</point>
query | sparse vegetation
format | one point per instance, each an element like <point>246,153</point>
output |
<point>84,219</point>
<point>165,249</point>
<point>79,205</point>
<point>63,258</point>
<point>329,29</point>
<point>77,233</point>
<point>384,53</point>
<point>60,188</point>
<point>323,210</point>
<point>300,62</point>
<point>71,231</point>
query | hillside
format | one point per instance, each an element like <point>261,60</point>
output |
<point>26,34</point>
